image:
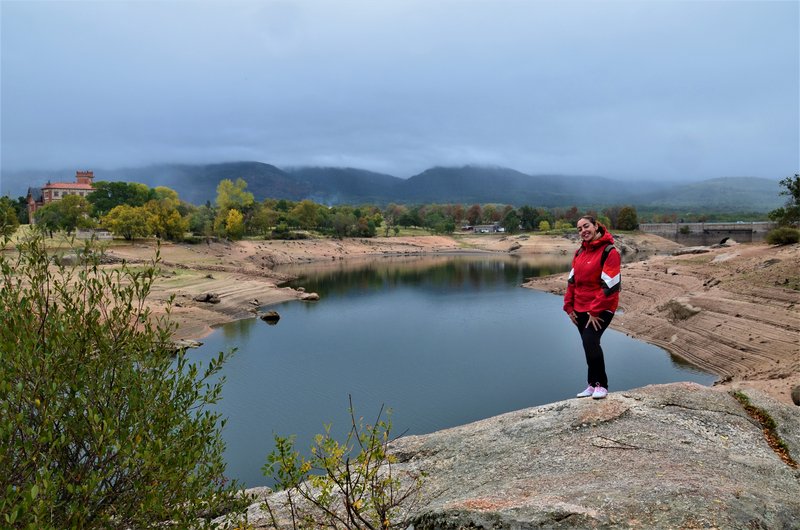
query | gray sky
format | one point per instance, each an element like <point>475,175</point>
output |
<point>635,89</point>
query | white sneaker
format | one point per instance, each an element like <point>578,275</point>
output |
<point>587,393</point>
<point>599,392</point>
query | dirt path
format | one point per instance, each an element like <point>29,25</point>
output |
<point>734,311</point>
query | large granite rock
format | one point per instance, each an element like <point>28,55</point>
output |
<point>666,456</point>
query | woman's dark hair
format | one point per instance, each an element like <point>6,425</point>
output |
<point>591,219</point>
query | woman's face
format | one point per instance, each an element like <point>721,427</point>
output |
<point>586,229</point>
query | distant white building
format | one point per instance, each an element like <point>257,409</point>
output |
<point>488,229</point>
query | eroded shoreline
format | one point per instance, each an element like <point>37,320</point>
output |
<point>742,301</point>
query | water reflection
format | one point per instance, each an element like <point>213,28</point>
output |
<point>237,330</point>
<point>435,273</point>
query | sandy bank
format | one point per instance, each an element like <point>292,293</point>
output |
<point>241,273</point>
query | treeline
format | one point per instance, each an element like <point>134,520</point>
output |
<point>133,211</point>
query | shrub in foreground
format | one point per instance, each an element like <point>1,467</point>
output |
<point>100,425</point>
<point>352,485</point>
<point>784,235</point>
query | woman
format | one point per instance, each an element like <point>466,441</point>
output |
<point>592,297</point>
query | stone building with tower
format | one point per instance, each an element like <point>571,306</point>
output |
<point>55,191</point>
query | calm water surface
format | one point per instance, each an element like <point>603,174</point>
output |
<point>442,341</point>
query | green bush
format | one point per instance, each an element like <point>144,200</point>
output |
<point>352,485</point>
<point>784,235</point>
<point>101,426</point>
<point>9,222</point>
<point>282,231</point>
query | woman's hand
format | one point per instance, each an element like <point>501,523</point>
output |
<point>574,317</point>
<point>595,322</point>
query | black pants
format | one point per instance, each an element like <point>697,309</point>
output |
<point>592,349</point>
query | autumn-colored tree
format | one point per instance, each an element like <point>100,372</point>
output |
<point>474,214</point>
<point>165,221</point>
<point>234,224</point>
<point>233,195</point>
<point>490,214</point>
<point>127,221</point>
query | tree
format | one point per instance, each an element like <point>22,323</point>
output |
<point>48,217</point>
<point>365,227</point>
<point>562,224</point>
<point>69,213</point>
<point>233,195</point>
<point>107,195</point>
<point>306,213</point>
<point>392,215</point>
<point>410,217</point>
<point>100,425</point>
<point>528,217</point>
<point>490,214</point>
<point>201,220</point>
<point>437,223</point>
<point>511,221</point>
<point>234,224</point>
<point>612,213</point>
<point>474,214</point>
<point>262,220</point>
<point>343,223</point>
<point>165,221</point>
<point>571,216</point>
<point>457,213</point>
<point>789,214</point>
<point>627,218</point>
<point>544,226</point>
<point>9,222</point>
<point>22,210</point>
<point>127,221</point>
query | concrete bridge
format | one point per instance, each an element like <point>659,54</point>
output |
<point>709,233</point>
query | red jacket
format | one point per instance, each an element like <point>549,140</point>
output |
<point>590,289</point>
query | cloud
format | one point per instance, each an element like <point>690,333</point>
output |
<point>666,89</point>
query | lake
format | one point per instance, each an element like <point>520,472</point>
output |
<point>441,341</point>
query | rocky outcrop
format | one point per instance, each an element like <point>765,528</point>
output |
<point>207,298</point>
<point>308,297</point>
<point>666,456</point>
<point>270,316</point>
<point>183,344</point>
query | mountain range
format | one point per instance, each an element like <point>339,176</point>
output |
<point>466,185</point>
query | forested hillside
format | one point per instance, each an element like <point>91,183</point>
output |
<point>462,185</point>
